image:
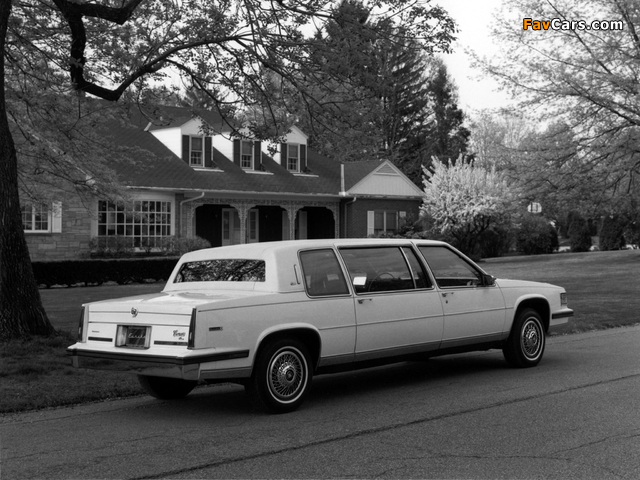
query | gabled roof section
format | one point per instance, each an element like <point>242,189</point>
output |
<point>149,162</point>
<point>378,178</point>
<point>175,117</point>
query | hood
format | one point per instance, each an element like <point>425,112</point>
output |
<point>508,283</point>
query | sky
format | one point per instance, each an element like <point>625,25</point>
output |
<point>474,19</point>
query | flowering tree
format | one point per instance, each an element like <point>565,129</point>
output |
<point>463,201</point>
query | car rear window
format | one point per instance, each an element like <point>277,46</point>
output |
<point>224,270</point>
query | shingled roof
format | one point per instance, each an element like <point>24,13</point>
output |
<point>156,166</point>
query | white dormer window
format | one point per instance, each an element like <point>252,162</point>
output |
<point>293,157</point>
<point>246,154</point>
<point>196,151</point>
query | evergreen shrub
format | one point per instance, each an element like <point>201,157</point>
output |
<point>536,235</point>
<point>612,233</point>
<point>579,234</point>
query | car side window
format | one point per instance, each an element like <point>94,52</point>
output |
<point>322,273</point>
<point>379,269</point>
<point>449,269</point>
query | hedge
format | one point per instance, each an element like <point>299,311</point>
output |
<point>99,271</point>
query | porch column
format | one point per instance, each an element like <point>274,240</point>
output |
<point>292,212</point>
<point>188,219</point>
<point>243,212</point>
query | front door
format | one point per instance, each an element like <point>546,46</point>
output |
<point>472,313</point>
<point>231,226</point>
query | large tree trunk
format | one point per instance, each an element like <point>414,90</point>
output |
<point>21,311</point>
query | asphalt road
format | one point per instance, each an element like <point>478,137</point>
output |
<point>577,415</point>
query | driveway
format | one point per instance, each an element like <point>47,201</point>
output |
<point>464,416</point>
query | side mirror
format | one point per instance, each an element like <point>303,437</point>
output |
<point>488,280</point>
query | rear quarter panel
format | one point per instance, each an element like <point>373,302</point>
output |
<point>245,324</point>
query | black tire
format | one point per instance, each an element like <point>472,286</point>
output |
<point>525,345</point>
<point>281,376</point>
<point>166,388</point>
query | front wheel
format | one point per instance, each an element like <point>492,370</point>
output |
<point>166,388</point>
<point>281,376</point>
<point>525,345</point>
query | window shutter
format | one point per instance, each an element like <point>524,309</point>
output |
<point>257,155</point>
<point>185,149</point>
<point>236,151</point>
<point>303,158</point>
<point>208,152</point>
<point>56,217</point>
<point>283,155</point>
<point>370,222</point>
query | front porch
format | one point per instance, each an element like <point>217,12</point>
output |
<point>228,221</point>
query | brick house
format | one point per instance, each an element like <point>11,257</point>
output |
<point>199,180</point>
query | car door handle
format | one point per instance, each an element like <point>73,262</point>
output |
<point>362,300</point>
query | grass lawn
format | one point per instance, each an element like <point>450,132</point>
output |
<point>602,287</point>
<point>603,290</point>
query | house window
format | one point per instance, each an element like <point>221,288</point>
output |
<point>35,218</point>
<point>380,222</point>
<point>42,218</point>
<point>196,151</point>
<point>146,223</point>
<point>293,157</point>
<point>246,154</point>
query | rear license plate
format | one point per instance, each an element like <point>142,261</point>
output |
<point>132,336</point>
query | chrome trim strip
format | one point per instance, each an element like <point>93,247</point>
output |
<point>398,320</point>
<point>336,360</point>
<point>244,372</point>
<point>459,342</point>
<point>397,351</point>
<point>562,314</point>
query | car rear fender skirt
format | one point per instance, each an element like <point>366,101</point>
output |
<point>307,334</point>
<point>540,305</point>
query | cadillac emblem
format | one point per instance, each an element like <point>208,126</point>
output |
<point>134,312</point>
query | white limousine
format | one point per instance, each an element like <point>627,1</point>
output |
<point>272,315</point>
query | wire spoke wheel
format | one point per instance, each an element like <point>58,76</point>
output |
<point>525,345</point>
<point>531,339</point>
<point>282,376</point>
<point>286,374</point>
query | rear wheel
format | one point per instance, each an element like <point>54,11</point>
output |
<point>281,376</point>
<point>526,343</point>
<point>166,388</point>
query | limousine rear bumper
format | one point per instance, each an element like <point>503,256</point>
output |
<point>185,367</point>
